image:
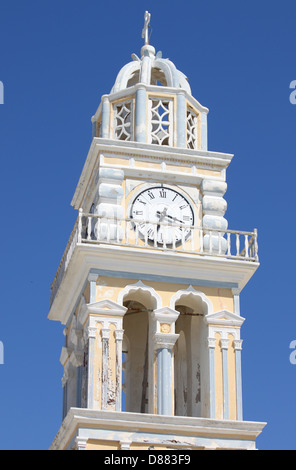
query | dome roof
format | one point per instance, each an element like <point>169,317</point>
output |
<point>150,69</point>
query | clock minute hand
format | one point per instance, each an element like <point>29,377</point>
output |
<point>174,218</point>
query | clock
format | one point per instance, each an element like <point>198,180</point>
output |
<point>162,216</point>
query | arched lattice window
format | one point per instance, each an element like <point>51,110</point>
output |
<point>191,129</point>
<point>123,120</point>
<point>160,121</point>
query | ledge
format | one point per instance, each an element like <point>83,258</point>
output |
<point>139,264</point>
<point>177,431</point>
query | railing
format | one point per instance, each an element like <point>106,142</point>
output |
<point>73,240</point>
<point>156,235</point>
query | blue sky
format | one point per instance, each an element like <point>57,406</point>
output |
<point>57,58</point>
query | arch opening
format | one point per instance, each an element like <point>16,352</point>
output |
<point>135,357</point>
<point>188,360</point>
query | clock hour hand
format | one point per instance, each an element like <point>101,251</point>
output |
<point>162,215</point>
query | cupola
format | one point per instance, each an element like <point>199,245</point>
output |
<point>151,102</point>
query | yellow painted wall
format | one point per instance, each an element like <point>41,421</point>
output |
<point>109,288</point>
<point>93,444</point>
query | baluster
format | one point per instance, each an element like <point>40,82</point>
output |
<point>237,244</point>
<point>165,234</point>
<point>137,233</point>
<point>79,226</point>
<point>146,236</point>
<point>174,240</point>
<point>251,247</point>
<point>117,230</point>
<point>219,243</point>
<point>183,238</point>
<point>255,244</point>
<point>211,242</point>
<point>201,240</point>
<point>246,246</point>
<point>108,230</point>
<point>229,243</point>
<point>89,224</point>
<point>127,229</point>
<point>98,228</point>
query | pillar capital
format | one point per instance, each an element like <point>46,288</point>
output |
<point>211,343</point>
<point>119,335</point>
<point>238,344</point>
<point>224,343</point>
<point>105,333</point>
<point>91,331</point>
<point>164,340</point>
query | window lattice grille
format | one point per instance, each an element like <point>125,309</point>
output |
<point>123,120</point>
<point>191,132</point>
<point>160,121</point>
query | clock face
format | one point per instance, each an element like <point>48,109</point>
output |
<point>162,216</point>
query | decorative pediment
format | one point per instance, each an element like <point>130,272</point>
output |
<point>106,307</point>
<point>166,314</point>
<point>224,318</point>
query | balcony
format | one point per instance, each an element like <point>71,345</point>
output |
<point>163,237</point>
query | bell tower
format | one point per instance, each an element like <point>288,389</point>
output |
<point>148,287</point>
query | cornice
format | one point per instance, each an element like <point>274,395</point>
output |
<point>135,263</point>
<point>200,158</point>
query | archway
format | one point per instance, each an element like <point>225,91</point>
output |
<point>190,361</point>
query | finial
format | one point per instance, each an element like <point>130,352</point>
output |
<point>147,17</point>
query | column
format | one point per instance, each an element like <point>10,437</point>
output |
<point>181,119</point>
<point>238,377</point>
<point>141,115</point>
<point>164,344</point>
<point>105,124</point>
<point>211,347</point>
<point>204,131</point>
<point>76,360</point>
<point>91,356</point>
<point>224,347</point>
<point>118,339</point>
<point>164,339</point>
<point>105,349</point>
